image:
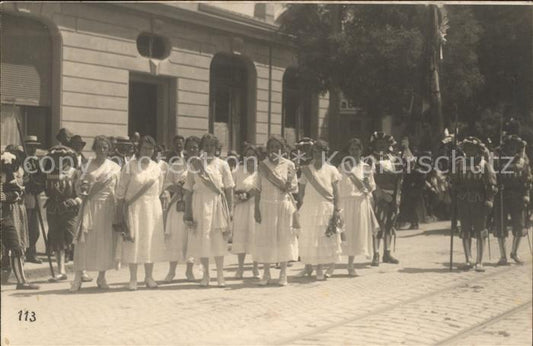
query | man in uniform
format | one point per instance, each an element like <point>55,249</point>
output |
<point>474,180</point>
<point>514,180</point>
<point>388,176</point>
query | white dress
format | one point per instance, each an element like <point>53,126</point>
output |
<point>275,240</point>
<point>360,223</point>
<point>243,218</point>
<point>175,229</point>
<point>145,215</point>
<point>206,239</point>
<point>315,213</point>
<point>95,247</point>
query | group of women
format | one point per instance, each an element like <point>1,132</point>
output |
<point>188,210</point>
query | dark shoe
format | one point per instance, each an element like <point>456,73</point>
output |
<point>5,276</point>
<point>27,286</point>
<point>516,259</point>
<point>387,258</point>
<point>502,262</point>
<point>468,266</point>
<point>33,259</point>
<point>375,260</point>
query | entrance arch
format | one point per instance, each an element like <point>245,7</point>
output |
<point>232,100</point>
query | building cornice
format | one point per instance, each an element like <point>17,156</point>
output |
<point>214,18</point>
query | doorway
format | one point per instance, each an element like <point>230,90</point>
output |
<point>232,96</point>
<point>149,107</point>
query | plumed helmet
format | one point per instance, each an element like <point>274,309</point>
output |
<point>380,137</point>
<point>472,146</point>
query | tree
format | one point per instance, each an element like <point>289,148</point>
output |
<point>379,59</point>
<point>381,55</point>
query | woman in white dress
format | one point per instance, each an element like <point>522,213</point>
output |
<point>208,204</point>
<point>94,233</point>
<point>275,239</point>
<point>320,202</point>
<point>176,232</point>
<point>138,191</point>
<point>245,177</point>
<point>355,189</point>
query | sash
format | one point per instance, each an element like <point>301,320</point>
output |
<point>207,180</point>
<point>263,169</point>
<point>361,185</point>
<point>85,220</point>
<point>272,177</point>
<point>318,187</point>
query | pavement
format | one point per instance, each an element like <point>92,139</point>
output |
<point>418,302</point>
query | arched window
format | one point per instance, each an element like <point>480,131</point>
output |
<point>232,100</point>
<point>26,82</point>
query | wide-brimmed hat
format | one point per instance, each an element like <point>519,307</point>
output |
<point>31,140</point>
<point>77,140</point>
<point>123,140</point>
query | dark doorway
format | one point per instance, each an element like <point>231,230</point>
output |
<point>143,108</point>
<point>232,92</point>
<point>299,108</point>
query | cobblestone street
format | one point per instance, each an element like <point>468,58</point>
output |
<point>416,302</point>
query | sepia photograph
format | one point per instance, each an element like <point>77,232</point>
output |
<point>266,173</point>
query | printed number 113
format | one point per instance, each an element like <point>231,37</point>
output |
<point>27,316</point>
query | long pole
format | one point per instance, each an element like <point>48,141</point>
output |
<point>500,185</point>
<point>454,197</point>
<point>37,205</point>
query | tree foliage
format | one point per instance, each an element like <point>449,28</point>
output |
<point>379,58</point>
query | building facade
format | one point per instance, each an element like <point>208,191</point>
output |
<point>157,68</point>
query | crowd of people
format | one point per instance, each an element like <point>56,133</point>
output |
<point>136,203</point>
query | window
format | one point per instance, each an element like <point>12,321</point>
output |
<point>153,46</point>
<point>34,121</point>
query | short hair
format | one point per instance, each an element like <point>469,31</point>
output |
<point>321,145</point>
<point>146,140</point>
<point>176,137</point>
<point>279,139</point>
<point>249,147</point>
<point>192,139</point>
<point>209,138</point>
<point>352,141</point>
<point>100,139</point>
